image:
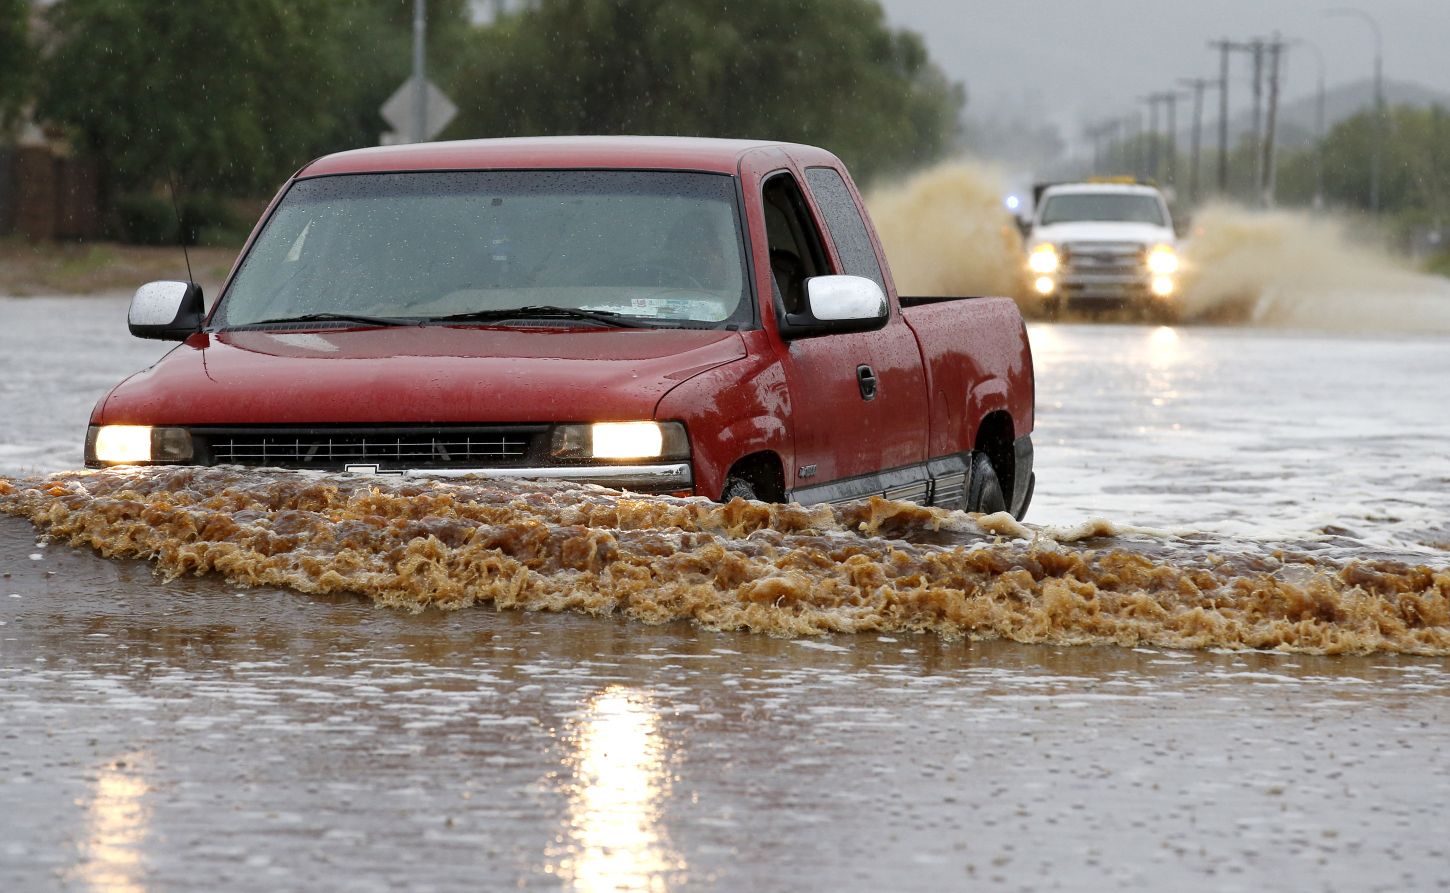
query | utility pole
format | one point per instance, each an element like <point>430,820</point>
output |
<point>1170,102</point>
<point>1171,99</point>
<point>1268,179</point>
<point>1256,49</point>
<point>420,79</point>
<point>1198,85</point>
<point>1152,102</point>
<point>1103,134</point>
<point>1114,128</point>
<point>1135,124</point>
<point>1224,47</point>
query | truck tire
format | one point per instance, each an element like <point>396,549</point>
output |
<point>737,487</point>
<point>986,493</point>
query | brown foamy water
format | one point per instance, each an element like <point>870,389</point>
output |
<point>782,570</point>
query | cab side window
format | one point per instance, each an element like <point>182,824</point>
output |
<point>843,219</point>
<point>796,252</point>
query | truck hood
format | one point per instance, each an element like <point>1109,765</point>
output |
<point>1103,231</point>
<point>416,375</point>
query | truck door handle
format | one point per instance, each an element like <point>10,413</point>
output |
<point>867,380</point>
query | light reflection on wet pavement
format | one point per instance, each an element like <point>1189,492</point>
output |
<point>194,734</point>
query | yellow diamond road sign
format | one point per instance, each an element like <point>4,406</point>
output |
<point>398,110</point>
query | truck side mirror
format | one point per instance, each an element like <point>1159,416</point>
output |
<point>166,311</point>
<point>1024,226</point>
<point>838,304</point>
<point>853,299</point>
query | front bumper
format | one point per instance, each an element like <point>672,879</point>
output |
<point>671,477</point>
<point>1102,286</point>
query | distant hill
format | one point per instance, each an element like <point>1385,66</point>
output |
<point>1296,118</point>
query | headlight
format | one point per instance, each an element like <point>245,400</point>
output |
<point>621,440</point>
<point>1162,260</point>
<point>134,444</point>
<point>1043,259</point>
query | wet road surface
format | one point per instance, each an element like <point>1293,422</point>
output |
<point>171,736</point>
<point>197,734</point>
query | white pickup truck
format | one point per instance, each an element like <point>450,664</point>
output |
<point>1099,245</point>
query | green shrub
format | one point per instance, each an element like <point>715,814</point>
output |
<point>203,215</point>
<point>144,219</point>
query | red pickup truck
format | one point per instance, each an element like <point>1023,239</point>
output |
<point>668,315</point>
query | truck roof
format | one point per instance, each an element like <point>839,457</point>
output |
<point>633,152</point>
<point>1135,188</point>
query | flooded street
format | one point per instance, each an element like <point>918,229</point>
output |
<point>198,732</point>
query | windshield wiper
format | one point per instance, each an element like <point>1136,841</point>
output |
<point>544,311</point>
<point>336,317</point>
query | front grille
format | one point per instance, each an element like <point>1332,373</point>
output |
<point>1104,257</point>
<point>323,448</point>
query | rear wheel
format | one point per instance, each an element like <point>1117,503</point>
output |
<point>986,493</point>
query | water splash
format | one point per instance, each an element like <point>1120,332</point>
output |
<point>1293,268</point>
<point>946,232</point>
<point>784,570</point>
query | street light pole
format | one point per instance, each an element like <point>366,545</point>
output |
<point>1318,124</point>
<point>1377,151</point>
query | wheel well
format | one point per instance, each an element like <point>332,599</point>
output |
<point>765,474</point>
<point>994,437</point>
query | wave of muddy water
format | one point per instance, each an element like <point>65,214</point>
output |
<point>782,570</point>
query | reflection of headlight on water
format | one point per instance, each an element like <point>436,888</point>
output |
<point>615,831</point>
<point>117,827</point>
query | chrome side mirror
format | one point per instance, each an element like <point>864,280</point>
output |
<point>166,311</point>
<point>845,299</point>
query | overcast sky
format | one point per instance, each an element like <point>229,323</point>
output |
<point>1073,60</point>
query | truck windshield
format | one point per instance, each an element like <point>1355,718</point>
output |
<point>657,248</point>
<point>1107,206</point>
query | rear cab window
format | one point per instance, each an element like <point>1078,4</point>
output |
<point>847,228</point>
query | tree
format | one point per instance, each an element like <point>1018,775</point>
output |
<point>226,95</point>
<point>819,71</point>
<point>1416,173</point>
<point>15,59</point>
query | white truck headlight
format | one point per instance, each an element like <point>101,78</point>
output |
<point>621,440</point>
<point>1043,259</point>
<point>136,444</point>
<point>1162,260</point>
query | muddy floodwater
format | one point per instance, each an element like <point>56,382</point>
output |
<point>1214,659</point>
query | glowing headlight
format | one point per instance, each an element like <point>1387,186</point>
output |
<point>627,440</point>
<point>132,444</point>
<point>621,440</point>
<point>1043,259</point>
<point>1163,260</point>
